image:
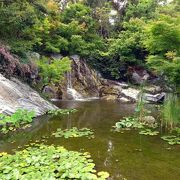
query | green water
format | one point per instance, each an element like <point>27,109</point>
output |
<point>124,155</point>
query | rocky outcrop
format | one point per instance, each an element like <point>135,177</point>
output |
<point>11,66</point>
<point>84,82</point>
<point>81,82</point>
<point>17,95</point>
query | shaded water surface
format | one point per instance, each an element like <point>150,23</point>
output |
<point>124,155</point>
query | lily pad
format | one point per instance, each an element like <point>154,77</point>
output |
<point>48,162</point>
<point>74,132</point>
<point>149,132</point>
<point>171,139</point>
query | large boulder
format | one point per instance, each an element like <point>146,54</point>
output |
<point>131,94</point>
<point>109,90</point>
<point>17,95</point>
<point>138,75</point>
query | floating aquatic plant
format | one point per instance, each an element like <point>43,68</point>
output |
<point>171,139</point>
<point>48,162</point>
<point>128,122</point>
<point>61,111</point>
<point>149,132</point>
<point>74,132</point>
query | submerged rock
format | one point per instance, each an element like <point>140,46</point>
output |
<point>17,95</point>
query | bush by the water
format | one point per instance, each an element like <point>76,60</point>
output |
<point>16,120</point>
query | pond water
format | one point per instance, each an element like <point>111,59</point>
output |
<point>124,155</point>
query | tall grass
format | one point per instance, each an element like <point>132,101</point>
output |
<point>140,106</point>
<point>171,112</point>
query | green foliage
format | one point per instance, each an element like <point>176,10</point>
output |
<point>47,38</point>
<point>19,118</point>
<point>48,162</point>
<point>126,49</point>
<point>128,122</point>
<point>102,14</point>
<point>62,111</point>
<point>74,132</point>
<point>129,43</point>
<point>41,26</point>
<point>144,28</point>
<point>171,112</point>
<point>52,70</point>
<point>140,109</point>
<point>163,35</point>
<point>149,132</point>
<point>141,8</point>
<point>16,20</point>
<point>177,130</point>
<point>163,39</point>
<point>77,12</point>
<point>131,122</point>
<point>171,139</point>
<point>170,68</point>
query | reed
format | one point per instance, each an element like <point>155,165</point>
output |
<point>171,112</point>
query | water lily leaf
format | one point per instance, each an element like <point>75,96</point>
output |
<point>103,174</point>
<point>48,162</point>
<point>74,132</point>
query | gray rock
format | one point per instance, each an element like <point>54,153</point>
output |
<point>136,79</point>
<point>131,93</point>
<point>154,98</point>
<point>152,89</point>
<point>149,121</point>
<point>124,100</point>
<point>17,95</point>
<point>49,91</point>
<point>33,55</point>
<point>56,56</point>
<point>139,79</point>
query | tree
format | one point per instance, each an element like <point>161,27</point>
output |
<point>52,71</point>
<point>127,49</point>
<point>163,39</point>
<point>141,8</point>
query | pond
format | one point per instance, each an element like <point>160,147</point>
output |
<point>126,155</point>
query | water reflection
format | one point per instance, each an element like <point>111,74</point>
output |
<point>109,155</point>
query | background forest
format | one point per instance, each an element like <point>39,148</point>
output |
<point>110,35</point>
